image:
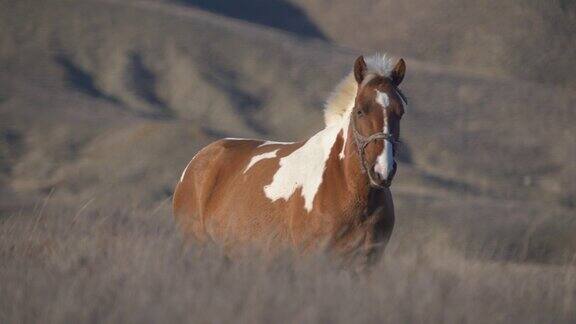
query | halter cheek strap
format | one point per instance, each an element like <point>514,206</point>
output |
<point>361,144</point>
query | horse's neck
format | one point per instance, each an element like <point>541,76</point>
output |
<point>345,157</point>
<point>356,178</point>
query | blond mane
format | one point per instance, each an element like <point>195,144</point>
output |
<point>341,101</point>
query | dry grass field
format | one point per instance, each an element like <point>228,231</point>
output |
<point>119,265</point>
<point>103,102</point>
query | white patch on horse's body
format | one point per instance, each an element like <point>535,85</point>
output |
<point>385,161</point>
<point>345,124</point>
<point>275,143</point>
<point>237,139</point>
<point>257,158</point>
<point>303,168</point>
<point>263,144</point>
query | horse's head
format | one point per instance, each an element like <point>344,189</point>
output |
<point>378,109</point>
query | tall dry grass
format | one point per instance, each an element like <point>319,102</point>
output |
<point>112,263</point>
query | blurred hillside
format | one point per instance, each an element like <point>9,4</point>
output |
<point>527,39</point>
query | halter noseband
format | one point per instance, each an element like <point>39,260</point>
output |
<point>361,143</point>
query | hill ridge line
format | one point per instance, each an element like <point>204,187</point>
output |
<point>272,34</point>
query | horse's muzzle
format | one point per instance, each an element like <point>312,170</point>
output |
<point>386,183</point>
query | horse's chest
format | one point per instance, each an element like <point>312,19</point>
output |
<point>337,225</point>
<point>363,223</point>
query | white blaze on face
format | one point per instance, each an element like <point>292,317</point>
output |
<point>385,161</point>
<point>382,99</point>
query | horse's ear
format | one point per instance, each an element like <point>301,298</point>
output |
<point>359,69</point>
<point>397,74</point>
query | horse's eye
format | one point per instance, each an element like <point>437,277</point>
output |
<point>359,112</point>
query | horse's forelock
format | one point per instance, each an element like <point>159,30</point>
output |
<point>341,101</point>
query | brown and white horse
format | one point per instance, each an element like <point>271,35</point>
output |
<point>331,190</point>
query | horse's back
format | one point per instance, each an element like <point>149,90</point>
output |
<point>208,170</point>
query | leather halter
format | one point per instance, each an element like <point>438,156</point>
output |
<point>361,144</point>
